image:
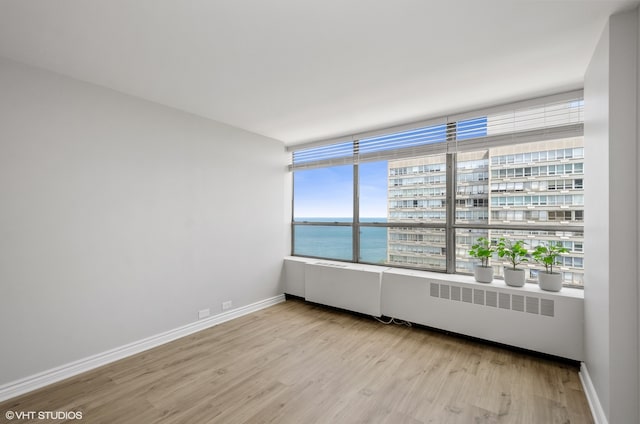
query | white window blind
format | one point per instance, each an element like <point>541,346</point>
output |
<point>329,155</point>
<point>551,117</point>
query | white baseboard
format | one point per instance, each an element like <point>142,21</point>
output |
<point>36,381</point>
<point>592,397</point>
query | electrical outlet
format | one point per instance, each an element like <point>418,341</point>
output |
<point>227,305</point>
<point>204,313</point>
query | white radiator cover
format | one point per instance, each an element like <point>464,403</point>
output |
<point>354,287</point>
<point>524,317</point>
<point>293,275</point>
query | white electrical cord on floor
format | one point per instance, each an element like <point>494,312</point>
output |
<point>395,321</point>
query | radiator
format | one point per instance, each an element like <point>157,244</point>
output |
<point>293,275</point>
<point>524,317</point>
<point>354,287</point>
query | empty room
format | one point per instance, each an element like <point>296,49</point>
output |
<point>319,211</point>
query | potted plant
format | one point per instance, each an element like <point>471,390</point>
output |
<point>482,250</point>
<point>547,255</point>
<point>516,253</point>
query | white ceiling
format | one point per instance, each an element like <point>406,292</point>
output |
<point>299,70</point>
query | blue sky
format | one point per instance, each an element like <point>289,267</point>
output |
<point>373,189</point>
<point>328,192</point>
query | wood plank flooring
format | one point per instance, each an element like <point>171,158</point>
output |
<point>299,363</point>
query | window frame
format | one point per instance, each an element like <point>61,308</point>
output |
<point>451,224</point>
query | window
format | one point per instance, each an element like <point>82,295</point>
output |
<point>324,195</point>
<point>324,241</point>
<point>419,197</point>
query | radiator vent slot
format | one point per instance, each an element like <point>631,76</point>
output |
<point>466,294</point>
<point>478,296</point>
<point>546,307</point>
<point>434,290</point>
<point>532,305</point>
<point>517,303</point>
<point>444,291</point>
<point>455,293</point>
<point>331,264</point>
<point>505,301</point>
<point>494,299</point>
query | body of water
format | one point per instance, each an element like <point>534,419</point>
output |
<point>336,242</point>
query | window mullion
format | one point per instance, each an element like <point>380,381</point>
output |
<point>451,200</point>
<point>356,204</point>
<point>451,213</point>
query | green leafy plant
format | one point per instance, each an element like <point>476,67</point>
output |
<point>547,255</point>
<point>514,251</point>
<point>483,250</point>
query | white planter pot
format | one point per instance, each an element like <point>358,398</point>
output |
<point>514,277</point>
<point>483,274</point>
<point>550,282</point>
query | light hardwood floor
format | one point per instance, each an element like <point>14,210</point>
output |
<point>299,363</point>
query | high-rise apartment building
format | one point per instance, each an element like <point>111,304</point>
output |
<point>417,192</point>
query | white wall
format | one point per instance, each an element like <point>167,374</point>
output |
<point>638,204</point>
<point>121,218</point>
<point>637,281</point>
<point>596,302</point>
<point>611,221</point>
